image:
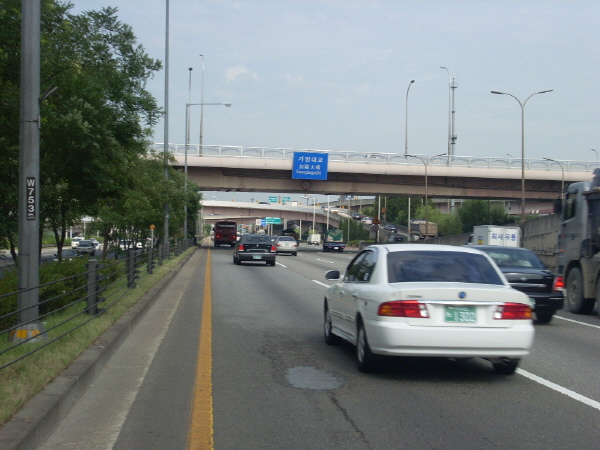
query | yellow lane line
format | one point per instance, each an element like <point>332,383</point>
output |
<point>200,435</point>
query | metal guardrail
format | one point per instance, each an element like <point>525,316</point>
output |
<point>490,162</point>
<point>77,298</point>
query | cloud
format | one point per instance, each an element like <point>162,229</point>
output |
<point>232,74</point>
<point>293,78</point>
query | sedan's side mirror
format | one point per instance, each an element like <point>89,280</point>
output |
<point>332,275</point>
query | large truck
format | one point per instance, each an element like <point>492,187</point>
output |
<point>314,239</point>
<point>334,240</point>
<point>579,244</point>
<point>496,235</point>
<point>420,230</point>
<point>225,233</point>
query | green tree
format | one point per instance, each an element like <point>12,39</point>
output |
<point>448,224</point>
<point>95,127</point>
<point>356,228</point>
<point>482,212</point>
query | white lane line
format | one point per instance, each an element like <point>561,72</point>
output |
<point>577,321</point>
<point>322,284</point>
<point>279,264</point>
<point>562,390</point>
<point>325,260</point>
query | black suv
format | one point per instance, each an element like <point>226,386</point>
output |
<point>527,273</point>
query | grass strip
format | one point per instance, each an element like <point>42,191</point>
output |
<point>23,380</point>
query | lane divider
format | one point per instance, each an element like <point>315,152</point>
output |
<point>200,435</point>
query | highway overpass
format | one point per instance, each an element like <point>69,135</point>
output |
<point>251,169</point>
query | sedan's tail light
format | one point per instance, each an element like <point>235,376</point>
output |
<point>241,248</point>
<point>559,284</point>
<point>512,311</point>
<point>273,248</point>
<point>403,308</point>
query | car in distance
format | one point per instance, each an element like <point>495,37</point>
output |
<point>255,248</point>
<point>427,300</point>
<point>367,220</point>
<point>75,242</point>
<point>395,239</point>
<point>391,227</point>
<point>286,244</point>
<point>86,247</point>
<point>527,273</point>
<point>357,216</point>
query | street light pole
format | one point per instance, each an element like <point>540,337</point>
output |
<point>596,155</point>
<point>562,184</point>
<point>449,109</point>
<point>425,164</point>
<point>406,119</point>
<point>202,107</point>
<point>187,143</point>
<point>522,105</point>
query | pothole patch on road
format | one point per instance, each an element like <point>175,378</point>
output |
<point>305,377</point>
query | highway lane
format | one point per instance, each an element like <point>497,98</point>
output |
<point>276,385</point>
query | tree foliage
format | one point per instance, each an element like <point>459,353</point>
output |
<point>95,127</point>
<point>482,212</point>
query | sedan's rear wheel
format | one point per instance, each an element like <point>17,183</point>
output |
<point>544,317</point>
<point>575,301</point>
<point>330,338</point>
<point>271,263</point>
<point>506,366</point>
<point>367,361</point>
<point>236,261</point>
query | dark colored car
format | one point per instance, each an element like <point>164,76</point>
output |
<point>391,227</point>
<point>357,216</point>
<point>395,239</point>
<point>527,273</point>
<point>255,248</point>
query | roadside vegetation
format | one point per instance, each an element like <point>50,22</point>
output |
<point>94,131</point>
<point>22,380</point>
<point>469,214</point>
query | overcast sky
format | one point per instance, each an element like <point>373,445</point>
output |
<point>333,75</point>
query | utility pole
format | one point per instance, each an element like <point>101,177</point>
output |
<point>29,177</point>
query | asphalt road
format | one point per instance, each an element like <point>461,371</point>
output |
<point>276,385</point>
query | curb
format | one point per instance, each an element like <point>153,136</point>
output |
<point>39,417</point>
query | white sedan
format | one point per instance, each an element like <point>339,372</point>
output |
<point>427,300</point>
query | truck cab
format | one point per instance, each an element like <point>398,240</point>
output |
<point>579,246</point>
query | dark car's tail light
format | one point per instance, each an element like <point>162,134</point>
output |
<point>241,248</point>
<point>403,308</point>
<point>512,311</point>
<point>273,248</point>
<point>559,284</point>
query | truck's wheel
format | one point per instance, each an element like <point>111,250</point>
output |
<point>575,301</point>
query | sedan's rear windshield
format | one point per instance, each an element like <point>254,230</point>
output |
<point>462,267</point>
<point>286,238</point>
<point>258,239</point>
<point>507,257</point>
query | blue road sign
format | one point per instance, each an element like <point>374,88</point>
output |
<point>310,166</point>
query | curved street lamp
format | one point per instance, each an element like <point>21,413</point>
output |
<point>596,155</point>
<point>425,164</point>
<point>187,143</point>
<point>406,119</point>
<point>522,105</point>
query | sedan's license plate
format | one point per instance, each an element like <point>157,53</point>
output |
<point>460,314</point>
<point>256,256</point>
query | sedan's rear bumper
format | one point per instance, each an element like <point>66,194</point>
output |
<point>547,302</point>
<point>401,339</point>
<point>256,257</point>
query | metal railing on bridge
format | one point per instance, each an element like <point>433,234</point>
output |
<point>488,162</point>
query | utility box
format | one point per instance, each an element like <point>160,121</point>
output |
<point>497,235</point>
